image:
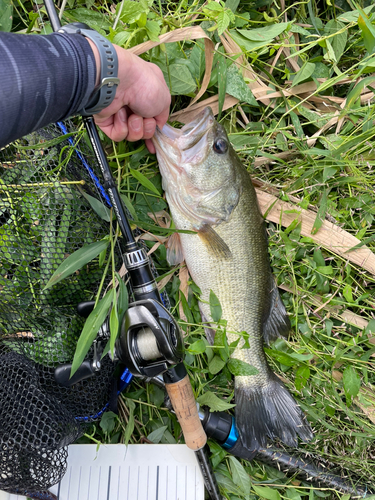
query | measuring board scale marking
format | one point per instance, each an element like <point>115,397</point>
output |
<point>136,472</point>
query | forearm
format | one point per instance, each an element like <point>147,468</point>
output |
<point>43,79</point>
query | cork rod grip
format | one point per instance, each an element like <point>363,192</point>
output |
<point>182,398</point>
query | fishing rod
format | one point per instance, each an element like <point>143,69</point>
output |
<point>151,341</point>
<point>221,427</point>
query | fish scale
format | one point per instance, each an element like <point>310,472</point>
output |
<point>241,289</point>
<point>210,192</point>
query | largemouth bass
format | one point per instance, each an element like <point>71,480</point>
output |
<point>210,192</point>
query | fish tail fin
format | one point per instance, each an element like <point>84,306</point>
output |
<point>270,411</point>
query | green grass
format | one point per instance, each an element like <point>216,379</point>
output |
<point>327,364</point>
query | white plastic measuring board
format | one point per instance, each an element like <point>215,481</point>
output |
<point>134,472</point>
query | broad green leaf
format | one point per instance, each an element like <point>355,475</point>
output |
<point>246,44</point>
<point>179,79</point>
<point>352,15</point>
<point>338,42</point>
<point>348,293</point>
<point>130,11</point>
<point>223,21</point>
<point>318,257</point>
<point>186,308</point>
<point>197,347</point>
<point>213,402</point>
<point>221,81</point>
<point>326,270</point>
<point>214,6</point>
<point>215,307</point>
<point>352,383</point>
<point>329,172</point>
<point>221,342</point>
<point>303,74</point>
<point>108,421</point>
<point>216,365</point>
<point>240,476</point>
<point>237,87</point>
<point>302,376</point>
<point>76,261</point>
<point>156,435</point>
<point>239,368</point>
<point>153,30</point>
<point>142,179</point>
<point>121,38</point>
<point>93,18</point>
<point>226,483</point>
<point>267,492</point>
<point>198,60</point>
<point>90,330</point>
<point>298,29</point>
<point>264,34</point>
<point>281,357</point>
<point>98,207</point>
<point>6,15</point>
<point>293,494</point>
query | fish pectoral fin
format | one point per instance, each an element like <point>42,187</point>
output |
<point>175,255</point>
<point>214,242</point>
<point>277,324</point>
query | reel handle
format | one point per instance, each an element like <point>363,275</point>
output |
<point>180,392</point>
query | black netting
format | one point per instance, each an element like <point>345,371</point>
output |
<point>46,213</point>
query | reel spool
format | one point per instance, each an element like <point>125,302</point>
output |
<point>150,342</point>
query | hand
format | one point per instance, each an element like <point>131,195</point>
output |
<point>141,102</point>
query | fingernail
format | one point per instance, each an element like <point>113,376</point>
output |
<point>122,114</point>
<point>136,124</point>
<point>148,128</point>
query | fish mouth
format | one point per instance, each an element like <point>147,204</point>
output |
<point>189,135</point>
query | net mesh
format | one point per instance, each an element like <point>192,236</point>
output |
<point>46,214</point>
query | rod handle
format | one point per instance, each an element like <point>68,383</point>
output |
<point>183,401</point>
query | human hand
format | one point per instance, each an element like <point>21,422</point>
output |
<point>141,102</point>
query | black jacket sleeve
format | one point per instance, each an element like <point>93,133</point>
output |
<point>43,79</point>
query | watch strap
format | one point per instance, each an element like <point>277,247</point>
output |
<point>105,92</point>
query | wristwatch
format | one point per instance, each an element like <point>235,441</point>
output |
<point>105,92</point>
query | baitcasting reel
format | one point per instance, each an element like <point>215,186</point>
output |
<point>150,341</point>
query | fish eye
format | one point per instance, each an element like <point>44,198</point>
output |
<point>220,146</point>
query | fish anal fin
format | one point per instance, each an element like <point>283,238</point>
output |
<point>214,242</point>
<point>175,255</point>
<point>277,324</point>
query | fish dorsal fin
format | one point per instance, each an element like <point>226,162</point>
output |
<point>214,242</point>
<point>175,255</point>
<point>277,324</point>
